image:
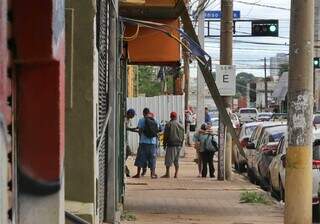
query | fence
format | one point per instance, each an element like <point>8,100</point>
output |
<point>161,106</point>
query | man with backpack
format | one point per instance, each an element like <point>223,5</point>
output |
<point>172,142</point>
<point>208,147</point>
<point>147,153</point>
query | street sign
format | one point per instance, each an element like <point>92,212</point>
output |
<point>226,79</point>
<point>214,14</point>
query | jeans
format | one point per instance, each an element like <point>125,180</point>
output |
<point>207,160</point>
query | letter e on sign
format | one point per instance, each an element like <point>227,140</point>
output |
<point>226,79</point>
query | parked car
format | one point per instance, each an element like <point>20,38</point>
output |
<point>240,162</point>
<point>279,117</point>
<point>316,121</point>
<point>215,124</point>
<point>264,116</point>
<point>277,172</point>
<point>235,120</point>
<point>248,115</point>
<point>266,150</point>
<point>253,145</point>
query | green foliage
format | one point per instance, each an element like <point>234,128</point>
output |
<point>242,80</point>
<point>128,216</point>
<point>148,82</point>
<point>253,197</point>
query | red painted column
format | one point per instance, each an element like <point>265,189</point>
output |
<point>38,31</point>
<point>5,84</point>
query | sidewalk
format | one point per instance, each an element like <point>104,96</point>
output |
<point>192,200</point>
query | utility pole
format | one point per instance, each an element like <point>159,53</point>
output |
<point>186,71</point>
<point>131,78</point>
<point>226,35</point>
<point>298,184</point>
<point>200,79</point>
<point>265,84</point>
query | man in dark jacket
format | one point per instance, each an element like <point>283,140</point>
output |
<point>173,141</point>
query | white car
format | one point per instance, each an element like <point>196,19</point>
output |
<point>278,164</point>
<point>248,115</point>
<point>246,131</point>
<point>215,125</point>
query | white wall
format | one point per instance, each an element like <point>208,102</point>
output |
<point>160,105</point>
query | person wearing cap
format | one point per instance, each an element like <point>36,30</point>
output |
<point>173,141</point>
<point>129,116</point>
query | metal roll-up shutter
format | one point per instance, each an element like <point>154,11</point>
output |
<point>102,46</point>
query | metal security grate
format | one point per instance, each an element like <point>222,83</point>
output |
<point>102,46</point>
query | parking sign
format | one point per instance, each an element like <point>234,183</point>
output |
<point>226,79</point>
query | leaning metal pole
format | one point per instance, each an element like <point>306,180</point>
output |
<point>298,186</point>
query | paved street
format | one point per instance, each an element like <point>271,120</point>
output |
<point>193,200</point>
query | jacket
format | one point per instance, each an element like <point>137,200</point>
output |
<point>173,134</point>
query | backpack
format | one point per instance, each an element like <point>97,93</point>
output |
<point>210,144</point>
<point>176,134</point>
<point>151,128</point>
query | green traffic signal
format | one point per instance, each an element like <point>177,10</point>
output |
<point>266,28</point>
<point>273,28</point>
<point>316,62</point>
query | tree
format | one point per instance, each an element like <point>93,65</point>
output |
<point>148,83</point>
<point>242,80</point>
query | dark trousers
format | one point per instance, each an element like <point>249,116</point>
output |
<point>207,160</point>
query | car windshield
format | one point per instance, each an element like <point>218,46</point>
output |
<point>248,111</point>
<point>264,115</point>
<point>276,136</point>
<point>250,130</point>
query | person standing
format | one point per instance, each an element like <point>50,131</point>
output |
<point>208,146</point>
<point>148,131</point>
<point>172,142</point>
<point>129,116</point>
<point>207,117</point>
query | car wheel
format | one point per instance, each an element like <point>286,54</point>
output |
<point>316,213</point>
<point>282,193</point>
<point>242,167</point>
<point>251,176</point>
<point>264,184</point>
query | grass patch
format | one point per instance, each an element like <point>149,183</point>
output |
<point>253,197</point>
<point>128,216</point>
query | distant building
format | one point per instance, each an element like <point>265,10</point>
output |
<point>276,62</point>
<point>208,101</point>
<point>256,93</point>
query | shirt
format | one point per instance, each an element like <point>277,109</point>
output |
<point>143,138</point>
<point>207,118</point>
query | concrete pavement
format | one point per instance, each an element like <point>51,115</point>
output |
<point>193,200</point>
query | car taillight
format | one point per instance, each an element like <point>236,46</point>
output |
<point>268,148</point>
<point>316,164</point>
<point>244,142</point>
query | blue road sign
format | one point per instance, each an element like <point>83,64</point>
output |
<point>213,14</point>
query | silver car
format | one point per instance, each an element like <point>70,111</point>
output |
<point>278,164</point>
<point>240,162</point>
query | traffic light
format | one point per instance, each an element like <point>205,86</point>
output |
<point>316,62</point>
<point>266,28</point>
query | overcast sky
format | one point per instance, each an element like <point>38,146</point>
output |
<point>247,55</point>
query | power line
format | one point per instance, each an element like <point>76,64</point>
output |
<point>262,5</point>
